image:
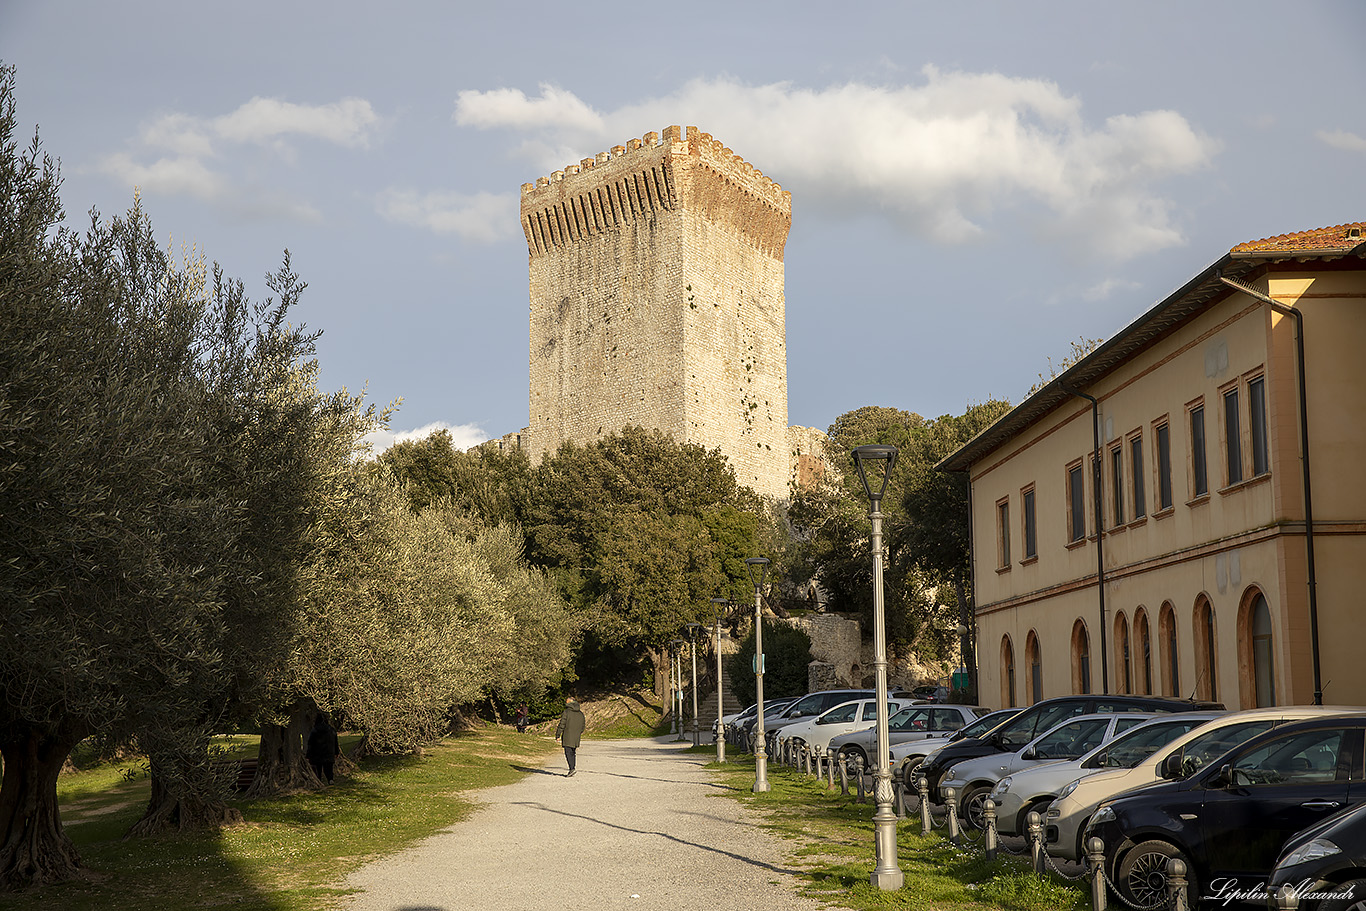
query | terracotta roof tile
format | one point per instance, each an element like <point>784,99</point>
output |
<point>1339,237</point>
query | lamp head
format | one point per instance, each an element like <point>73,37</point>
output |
<point>876,459</point>
<point>758,569</point>
<point>692,629</point>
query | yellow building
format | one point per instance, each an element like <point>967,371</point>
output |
<point>1166,466</point>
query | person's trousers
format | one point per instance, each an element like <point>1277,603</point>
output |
<point>569,756</point>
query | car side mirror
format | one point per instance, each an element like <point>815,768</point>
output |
<point>1171,767</point>
<point>1222,778</point>
<point>1029,754</point>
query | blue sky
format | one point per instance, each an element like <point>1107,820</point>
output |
<point>974,185</point>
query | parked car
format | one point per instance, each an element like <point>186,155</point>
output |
<point>807,707</point>
<point>736,729</point>
<point>1033,789</point>
<point>1066,818</point>
<point>907,757</point>
<point>1325,864</point>
<point>1039,717</point>
<point>914,722</point>
<point>850,716</point>
<point>1230,820</point>
<point>973,779</point>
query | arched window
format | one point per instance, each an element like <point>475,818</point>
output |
<point>1256,654</point>
<point>1123,661</point>
<point>1143,652</point>
<point>1081,658</point>
<point>1206,651</point>
<point>1171,655</point>
<point>1035,667</point>
<point>1007,673</point>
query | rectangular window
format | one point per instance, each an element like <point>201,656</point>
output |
<point>1256,405</point>
<point>1031,545</point>
<point>1003,534</point>
<point>1164,466</point>
<point>1233,440</point>
<point>1076,504</point>
<point>1117,484</point>
<point>1136,466</point>
<point>1199,476</point>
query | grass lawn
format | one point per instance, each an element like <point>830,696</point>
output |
<point>832,840</point>
<point>292,852</point>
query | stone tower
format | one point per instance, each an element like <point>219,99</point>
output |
<point>657,299</point>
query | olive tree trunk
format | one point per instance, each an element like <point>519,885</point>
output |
<point>281,765</point>
<point>34,849</point>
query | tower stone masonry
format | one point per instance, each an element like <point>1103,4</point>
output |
<point>656,273</point>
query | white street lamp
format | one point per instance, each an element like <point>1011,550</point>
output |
<point>692,638</point>
<point>758,569</point>
<point>719,605</point>
<point>676,687</point>
<point>887,873</point>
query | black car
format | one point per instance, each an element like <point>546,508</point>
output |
<point>1040,717</point>
<point>1229,821</point>
<point>1325,865</point>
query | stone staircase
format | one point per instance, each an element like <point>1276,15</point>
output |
<point>706,705</point>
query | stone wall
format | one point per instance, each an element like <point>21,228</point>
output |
<point>656,293</point>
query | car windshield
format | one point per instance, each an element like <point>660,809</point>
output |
<point>983,725</point>
<point>1033,723</point>
<point>1072,739</point>
<point>1137,744</point>
<point>1209,746</point>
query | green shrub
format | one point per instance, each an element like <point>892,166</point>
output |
<point>787,651</point>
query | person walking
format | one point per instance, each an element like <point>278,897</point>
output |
<point>522,717</point>
<point>322,748</point>
<point>570,730</point>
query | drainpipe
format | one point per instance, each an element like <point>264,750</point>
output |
<point>1100,537</point>
<point>1304,466</point>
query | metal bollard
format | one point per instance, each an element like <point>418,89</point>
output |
<point>830,772</point>
<point>806,760</point>
<point>1036,840</point>
<point>989,825</point>
<point>1287,899</point>
<point>844,779</point>
<point>951,801</point>
<point>1095,853</point>
<point>1176,885</point>
<point>922,787</point>
<point>898,800</point>
<point>862,790</point>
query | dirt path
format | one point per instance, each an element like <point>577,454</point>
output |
<point>640,826</point>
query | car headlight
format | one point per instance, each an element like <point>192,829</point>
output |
<point>1106,813</point>
<point>1314,850</point>
<point>1067,791</point>
<point>1001,787</point>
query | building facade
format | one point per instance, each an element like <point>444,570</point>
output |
<point>1139,525</point>
<point>656,280</point>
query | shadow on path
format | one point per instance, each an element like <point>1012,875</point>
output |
<point>665,835</point>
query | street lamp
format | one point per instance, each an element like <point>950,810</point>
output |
<point>676,687</point>
<point>887,875</point>
<point>692,637</point>
<point>719,605</point>
<point>758,569</point>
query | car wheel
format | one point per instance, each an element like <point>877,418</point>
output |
<point>1022,821</point>
<point>971,806</point>
<point>853,754</point>
<point>1355,888</point>
<point>1142,875</point>
<point>908,773</point>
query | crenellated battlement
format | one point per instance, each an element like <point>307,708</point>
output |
<point>613,189</point>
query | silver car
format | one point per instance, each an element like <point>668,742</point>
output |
<point>1032,790</point>
<point>915,722</point>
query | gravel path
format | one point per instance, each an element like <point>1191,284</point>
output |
<point>640,826</point>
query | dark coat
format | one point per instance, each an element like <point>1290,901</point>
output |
<point>322,743</point>
<point>571,726</point>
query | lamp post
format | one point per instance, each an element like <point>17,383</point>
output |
<point>758,569</point>
<point>887,874</point>
<point>676,648</point>
<point>692,637</point>
<point>719,605</point>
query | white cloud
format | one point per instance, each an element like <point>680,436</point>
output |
<point>347,122</point>
<point>463,436</point>
<point>180,154</point>
<point>943,157</point>
<point>481,217</point>
<point>1108,288</point>
<point>1341,139</point>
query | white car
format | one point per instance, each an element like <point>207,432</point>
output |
<point>850,716</point>
<point>904,757</point>
<point>1065,821</point>
<point>1032,790</point>
<point>914,722</point>
<point>973,779</point>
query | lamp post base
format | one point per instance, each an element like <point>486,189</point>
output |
<point>888,882</point>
